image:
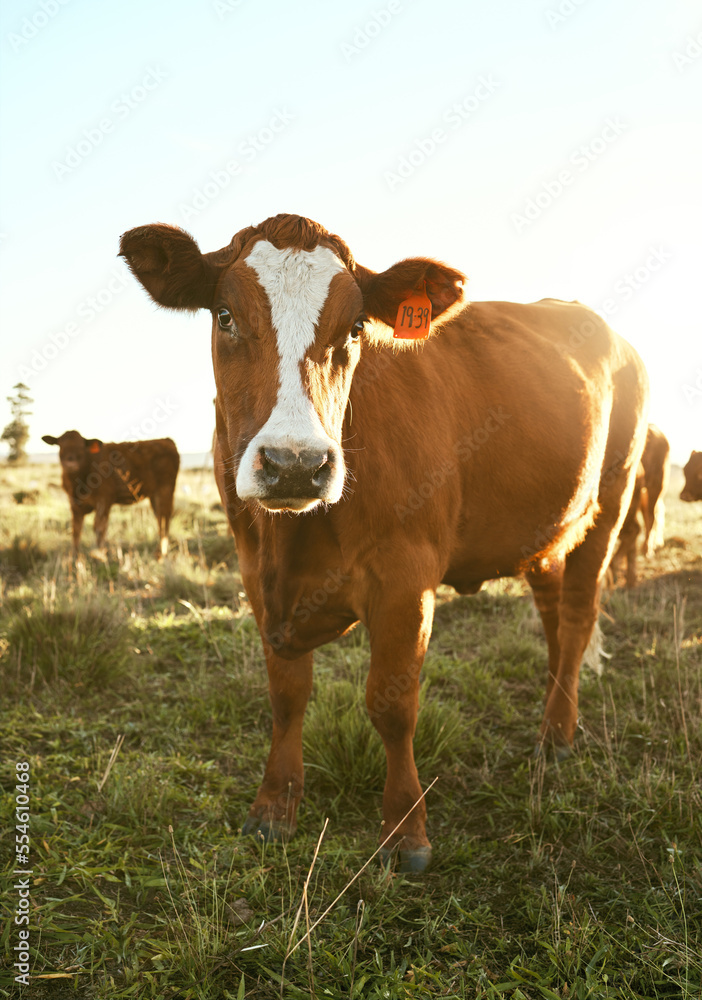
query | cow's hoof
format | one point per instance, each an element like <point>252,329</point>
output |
<point>266,831</point>
<point>411,861</point>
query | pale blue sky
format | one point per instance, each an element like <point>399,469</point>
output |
<point>351,101</point>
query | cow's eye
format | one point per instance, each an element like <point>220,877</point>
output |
<point>225,319</point>
<point>357,329</point>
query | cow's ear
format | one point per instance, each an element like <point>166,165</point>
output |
<point>49,438</point>
<point>94,445</point>
<point>383,292</point>
<point>168,263</point>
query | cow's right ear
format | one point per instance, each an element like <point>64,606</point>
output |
<point>168,263</point>
<point>49,438</point>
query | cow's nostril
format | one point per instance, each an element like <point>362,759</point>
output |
<point>271,465</point>
<point>322,475</point>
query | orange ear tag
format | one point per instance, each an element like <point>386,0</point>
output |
<point>94,448</point>
<point>414,317</point>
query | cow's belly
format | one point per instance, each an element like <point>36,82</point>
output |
<point>470,581</point>
<point>468,571</point>
<point>126,499</point>
<point>531,532</point>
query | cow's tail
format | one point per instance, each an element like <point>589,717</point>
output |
<point>592,657</point>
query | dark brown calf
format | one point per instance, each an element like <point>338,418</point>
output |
<point>357,478</point>
<point>692,490</point>
<point>97,475</point>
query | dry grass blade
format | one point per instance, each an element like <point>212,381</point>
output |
<point>362,869</point>
<point>110,764</point>
<point>677,633</point>
<point>303,902</point>
<point>360,909</point>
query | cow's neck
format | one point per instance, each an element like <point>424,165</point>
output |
<point>289,554</point>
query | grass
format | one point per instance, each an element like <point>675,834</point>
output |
<point>581,879</point>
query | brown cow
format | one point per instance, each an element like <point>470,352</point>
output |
<point>357,479</point>
<point>656,463</point>
<point>96,475</point>
<point>648,500</point>
<point>629,532</point>
<point>692,490</point>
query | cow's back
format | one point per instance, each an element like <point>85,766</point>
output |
<point>148,464</point>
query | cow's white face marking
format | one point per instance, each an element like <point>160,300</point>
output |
<point>297,284</point>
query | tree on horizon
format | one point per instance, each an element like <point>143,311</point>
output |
<point>16,433</point>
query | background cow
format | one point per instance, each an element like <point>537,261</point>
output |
<point>656,463</point>
<point>97,475</point>
<point>357,479</point>
<point>648,500</point>
<point>692,490</point>
<point>630,531</point>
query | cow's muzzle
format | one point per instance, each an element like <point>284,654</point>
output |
<point>294,480</point>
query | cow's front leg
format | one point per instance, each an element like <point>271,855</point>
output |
<point>399,635</point>
<point>78,518</point>
<point>273,816</point>
<point>102,511</point>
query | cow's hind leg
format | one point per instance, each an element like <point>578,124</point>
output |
<point>546,583</point>
<point>273,815</point>
<point>577,615</point>
<point>162,506</point>
<point>399,635</point>
<point>579,606</point>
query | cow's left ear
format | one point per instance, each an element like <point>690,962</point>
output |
<point>94,445</point>
<point>383,292</point>
<point>168,263</point>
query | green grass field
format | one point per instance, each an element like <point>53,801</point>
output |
<point>574,880</point>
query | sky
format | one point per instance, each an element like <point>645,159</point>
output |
<point>543,147</point>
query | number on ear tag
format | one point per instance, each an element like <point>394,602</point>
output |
<point>414,317</point>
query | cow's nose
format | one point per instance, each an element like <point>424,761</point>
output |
<point>295,474</point>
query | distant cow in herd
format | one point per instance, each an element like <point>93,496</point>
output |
<point>508,443</point>
<point>97,475</point>
<point>692,490</point>
<point>647,504</point>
